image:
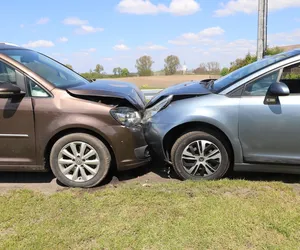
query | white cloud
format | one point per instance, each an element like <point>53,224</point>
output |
<point>240,46</point>
<point>152,47</point>
<point>184,7</point>
<point>251,6</point>
<point>74,21</point>
<point>203,36</point>
<point>146,7</point>
<point>121,47</point>
<point>284,38</point>
<point>63,39</point>
<point>86,29</point>
<point>39,44</point>
<point>109,59</point>
<point>43,20</point>
<point>213,31</point>
<point>297,19</point>
<point>91,50</point>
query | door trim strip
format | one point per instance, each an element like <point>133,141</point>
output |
<point>15,135</point>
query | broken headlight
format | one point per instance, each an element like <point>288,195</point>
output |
<point>126,116</point>
<point>156,108</point>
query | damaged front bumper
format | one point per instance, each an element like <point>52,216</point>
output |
<point>130,147</point>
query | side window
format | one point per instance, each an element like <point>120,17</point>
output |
<point>35,90</point>
<point>7,74</point>
<point>259,87</point>
<point>291,77</point>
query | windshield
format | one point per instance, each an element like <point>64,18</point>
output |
<point>52,71</point>
<point>241,73</point>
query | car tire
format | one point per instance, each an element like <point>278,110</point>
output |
<point>192,163</point>
<point>80,160</point>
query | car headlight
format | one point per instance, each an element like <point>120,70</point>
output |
<point>156,108</point>
<point>126,116</point>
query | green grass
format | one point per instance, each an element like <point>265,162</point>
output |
<point>225,214</point>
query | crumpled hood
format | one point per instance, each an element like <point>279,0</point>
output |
<point>192,88</point>
<point>115,89</point>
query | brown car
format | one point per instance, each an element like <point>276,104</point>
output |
<point>51,116</point>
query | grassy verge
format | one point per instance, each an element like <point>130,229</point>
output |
<point>206,215</point>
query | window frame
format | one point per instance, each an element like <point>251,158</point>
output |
<point>27,78</point>
<point>11,66</point>
<point>257,78</point>
<point>232,92</point>
<point>257,74</point>
<point>17,72</point>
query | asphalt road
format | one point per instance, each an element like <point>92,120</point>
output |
<point>154,173</point>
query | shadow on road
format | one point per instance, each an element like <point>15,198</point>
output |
<point>254,176</point>
<point>155,172</point>
<point>26,177</point>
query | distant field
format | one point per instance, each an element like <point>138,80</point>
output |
<point>162,81</point>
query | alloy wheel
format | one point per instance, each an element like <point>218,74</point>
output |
<point>201,158</point>
<point>79,161</point>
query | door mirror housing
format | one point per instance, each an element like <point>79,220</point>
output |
<point>8,90</point>
<point>278,89</point>
<point>275,90</point>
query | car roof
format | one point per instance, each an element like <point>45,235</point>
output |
<point>4,45</point>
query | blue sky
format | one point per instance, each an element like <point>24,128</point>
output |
<point>116,32</point>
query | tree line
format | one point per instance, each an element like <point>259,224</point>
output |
<point>172,66</point>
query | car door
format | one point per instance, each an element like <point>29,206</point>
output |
<point>269,132</point>
<point>17,137</point>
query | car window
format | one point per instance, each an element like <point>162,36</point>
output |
<point>35,90</point>
<point>49,69</point>
<point>243,72</point>
<point>291,77</point>
<point>7,74</point>
<point>260,86</point>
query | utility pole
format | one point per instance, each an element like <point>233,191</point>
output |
<point>262,28</point>
<point>266,10</point>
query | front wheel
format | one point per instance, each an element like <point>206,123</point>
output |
<point>80,160</point>
<point>198,155</point>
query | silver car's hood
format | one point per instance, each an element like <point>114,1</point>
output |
<point>188,89</point>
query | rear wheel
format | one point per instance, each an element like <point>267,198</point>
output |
<point>80,160</point>
<point>198,155</point>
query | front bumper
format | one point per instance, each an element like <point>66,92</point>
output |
<point>154,134</point>
<point>130,147</point>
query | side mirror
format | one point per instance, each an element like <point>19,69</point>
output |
<point>279,89</point>
<point>8,90</point>
<point>275,90</point>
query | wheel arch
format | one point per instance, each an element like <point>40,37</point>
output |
<point>177,131</point>
<point>68,131</point>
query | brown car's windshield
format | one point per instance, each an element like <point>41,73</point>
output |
<point>57,74</point>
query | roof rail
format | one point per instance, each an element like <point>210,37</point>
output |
<point>11,44</point>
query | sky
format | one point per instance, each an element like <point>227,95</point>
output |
<point>114,33</point>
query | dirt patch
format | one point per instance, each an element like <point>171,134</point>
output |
<point>46,183</point>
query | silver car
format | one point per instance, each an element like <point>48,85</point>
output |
<point>248,120</point>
